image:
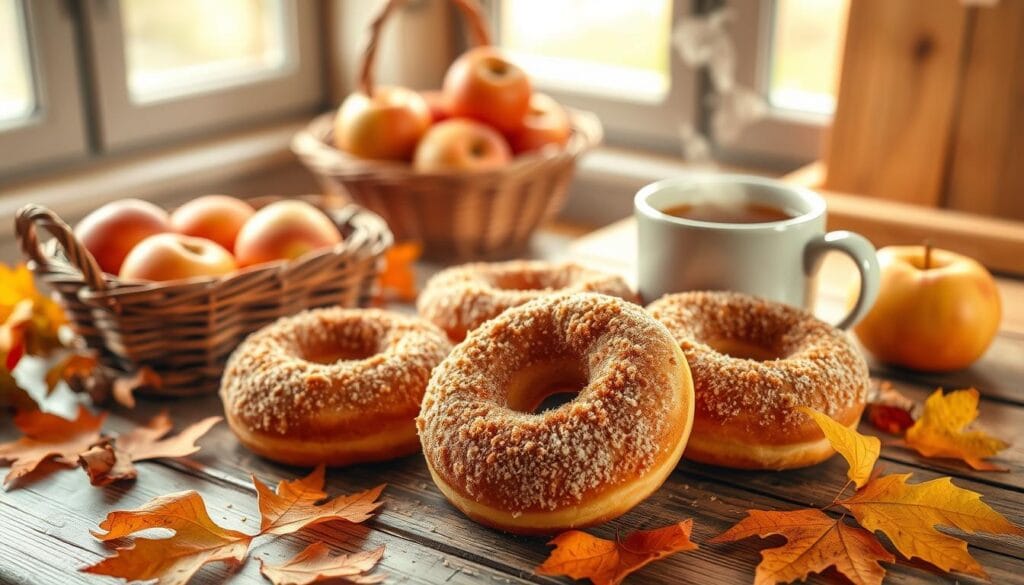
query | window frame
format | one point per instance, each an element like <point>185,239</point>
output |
<point>56,130</point>
<point>634,122</point>
<point>123,123</point>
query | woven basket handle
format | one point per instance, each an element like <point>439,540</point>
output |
<point>470,10</point>
<point>31,216</point>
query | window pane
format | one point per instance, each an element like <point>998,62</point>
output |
<point>176,47</point>
<point>807,41</point>
<point>605,46</point>
<point>17,96</point>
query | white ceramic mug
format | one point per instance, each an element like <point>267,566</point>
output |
<point>776,259</point>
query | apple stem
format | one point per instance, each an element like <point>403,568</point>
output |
<point>927,254</point>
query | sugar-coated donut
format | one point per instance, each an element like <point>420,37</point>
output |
<point>461,298</point>
<point>584,462</point>
<point>753,362</point>
<point>334,386</point>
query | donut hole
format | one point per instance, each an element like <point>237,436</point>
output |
<point>546,385</point>
<point>332,355</point>
<point>746,349</point>
<point>529,280</point>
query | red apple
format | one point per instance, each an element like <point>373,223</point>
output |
<point>438,104</point>
<point>214,217</point>
<point>175,256</point>
<point>284,230</point>
<point>936,310</point>
<point>111,231</point>
<point>482,84</point>
<point>385,126</point>
<point>461,145</point>
<point>545,123</point>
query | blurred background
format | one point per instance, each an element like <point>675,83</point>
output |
<point>917,101</point>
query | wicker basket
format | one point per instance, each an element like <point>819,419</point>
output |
<point>456,215</point>
<point>185,330</point>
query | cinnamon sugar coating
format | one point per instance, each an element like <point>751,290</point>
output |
<point>328,372</point>
<point>817,365</point>
<point>461,298</point>
<point>629,417</point>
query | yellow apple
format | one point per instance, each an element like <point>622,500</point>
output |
<point>936,310</point>
<point>386,125</point>
<point>284,230</point>
<point>172,256</point>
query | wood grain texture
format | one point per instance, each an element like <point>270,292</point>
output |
<point>896,100</point>
<point>987,164</point>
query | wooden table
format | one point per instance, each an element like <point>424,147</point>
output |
<point>44,524</point>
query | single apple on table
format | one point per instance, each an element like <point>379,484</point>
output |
<point>936,310</point>
<point>214,217</point>
<point>546,122</point>
<point>459,144</point>
<point>284,230</point>
<point>172,256</point>
<point>112,230</point>
<point>482,84</point>
<point>386,125</point>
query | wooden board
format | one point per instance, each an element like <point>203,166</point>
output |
<point>896,100</point>
<point>44,525</point>
<point>987,156</point>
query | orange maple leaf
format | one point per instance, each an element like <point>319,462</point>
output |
<point>860,451</point>
<point>398,279</point>
<point>68,367</point>
<point>13,396</point>
<point>814,542</point>
<point>294,505</point>
<point>123,387</point>
<point>197,540</point>
<point>939,432</point>
<point>908,514</point>
<point>113,460</point>
<point>607,562</point>
<point>315,564</point>
<point>49,437</point>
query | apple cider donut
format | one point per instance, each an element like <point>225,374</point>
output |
<point>334,386</point>
<point>461,298</point>
<point>584,462</point>
<point>753,363</point>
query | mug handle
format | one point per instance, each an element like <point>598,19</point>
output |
<point>860,250</point>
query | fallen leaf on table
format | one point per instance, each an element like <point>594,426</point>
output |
<point>940,431</point>
<point>860,451</point>
<point>197,540</point>
<point>70,366</point>
<point>294,505</point>
<point>124,387</point>
<point>579,555</point>
<point>48,436</point>
<point>814,542</point>
<point>113,461</point>
<point>398,279</point>
<point>908,514</point>
<point>315,564</point>
<point>888,410</point>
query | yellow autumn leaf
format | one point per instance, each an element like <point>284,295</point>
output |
<point>860,451</point>
<point>939,432</point>
<point>41,331</point>
<point>909,513</point>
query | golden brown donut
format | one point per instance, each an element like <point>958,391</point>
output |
<point>334,386</point>
<point>461,298</point>
<point>584,462</point>
<point>753,362</point>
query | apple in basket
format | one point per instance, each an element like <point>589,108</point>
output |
<point>482,84</point>
<point>112,230</point>
<point>214,217</point>
<point>385,125</point>
<point>284,230</point>
<point>440,110</point>
<point>175,256</point>
<point>459,144</point>
<point>546,122</point>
